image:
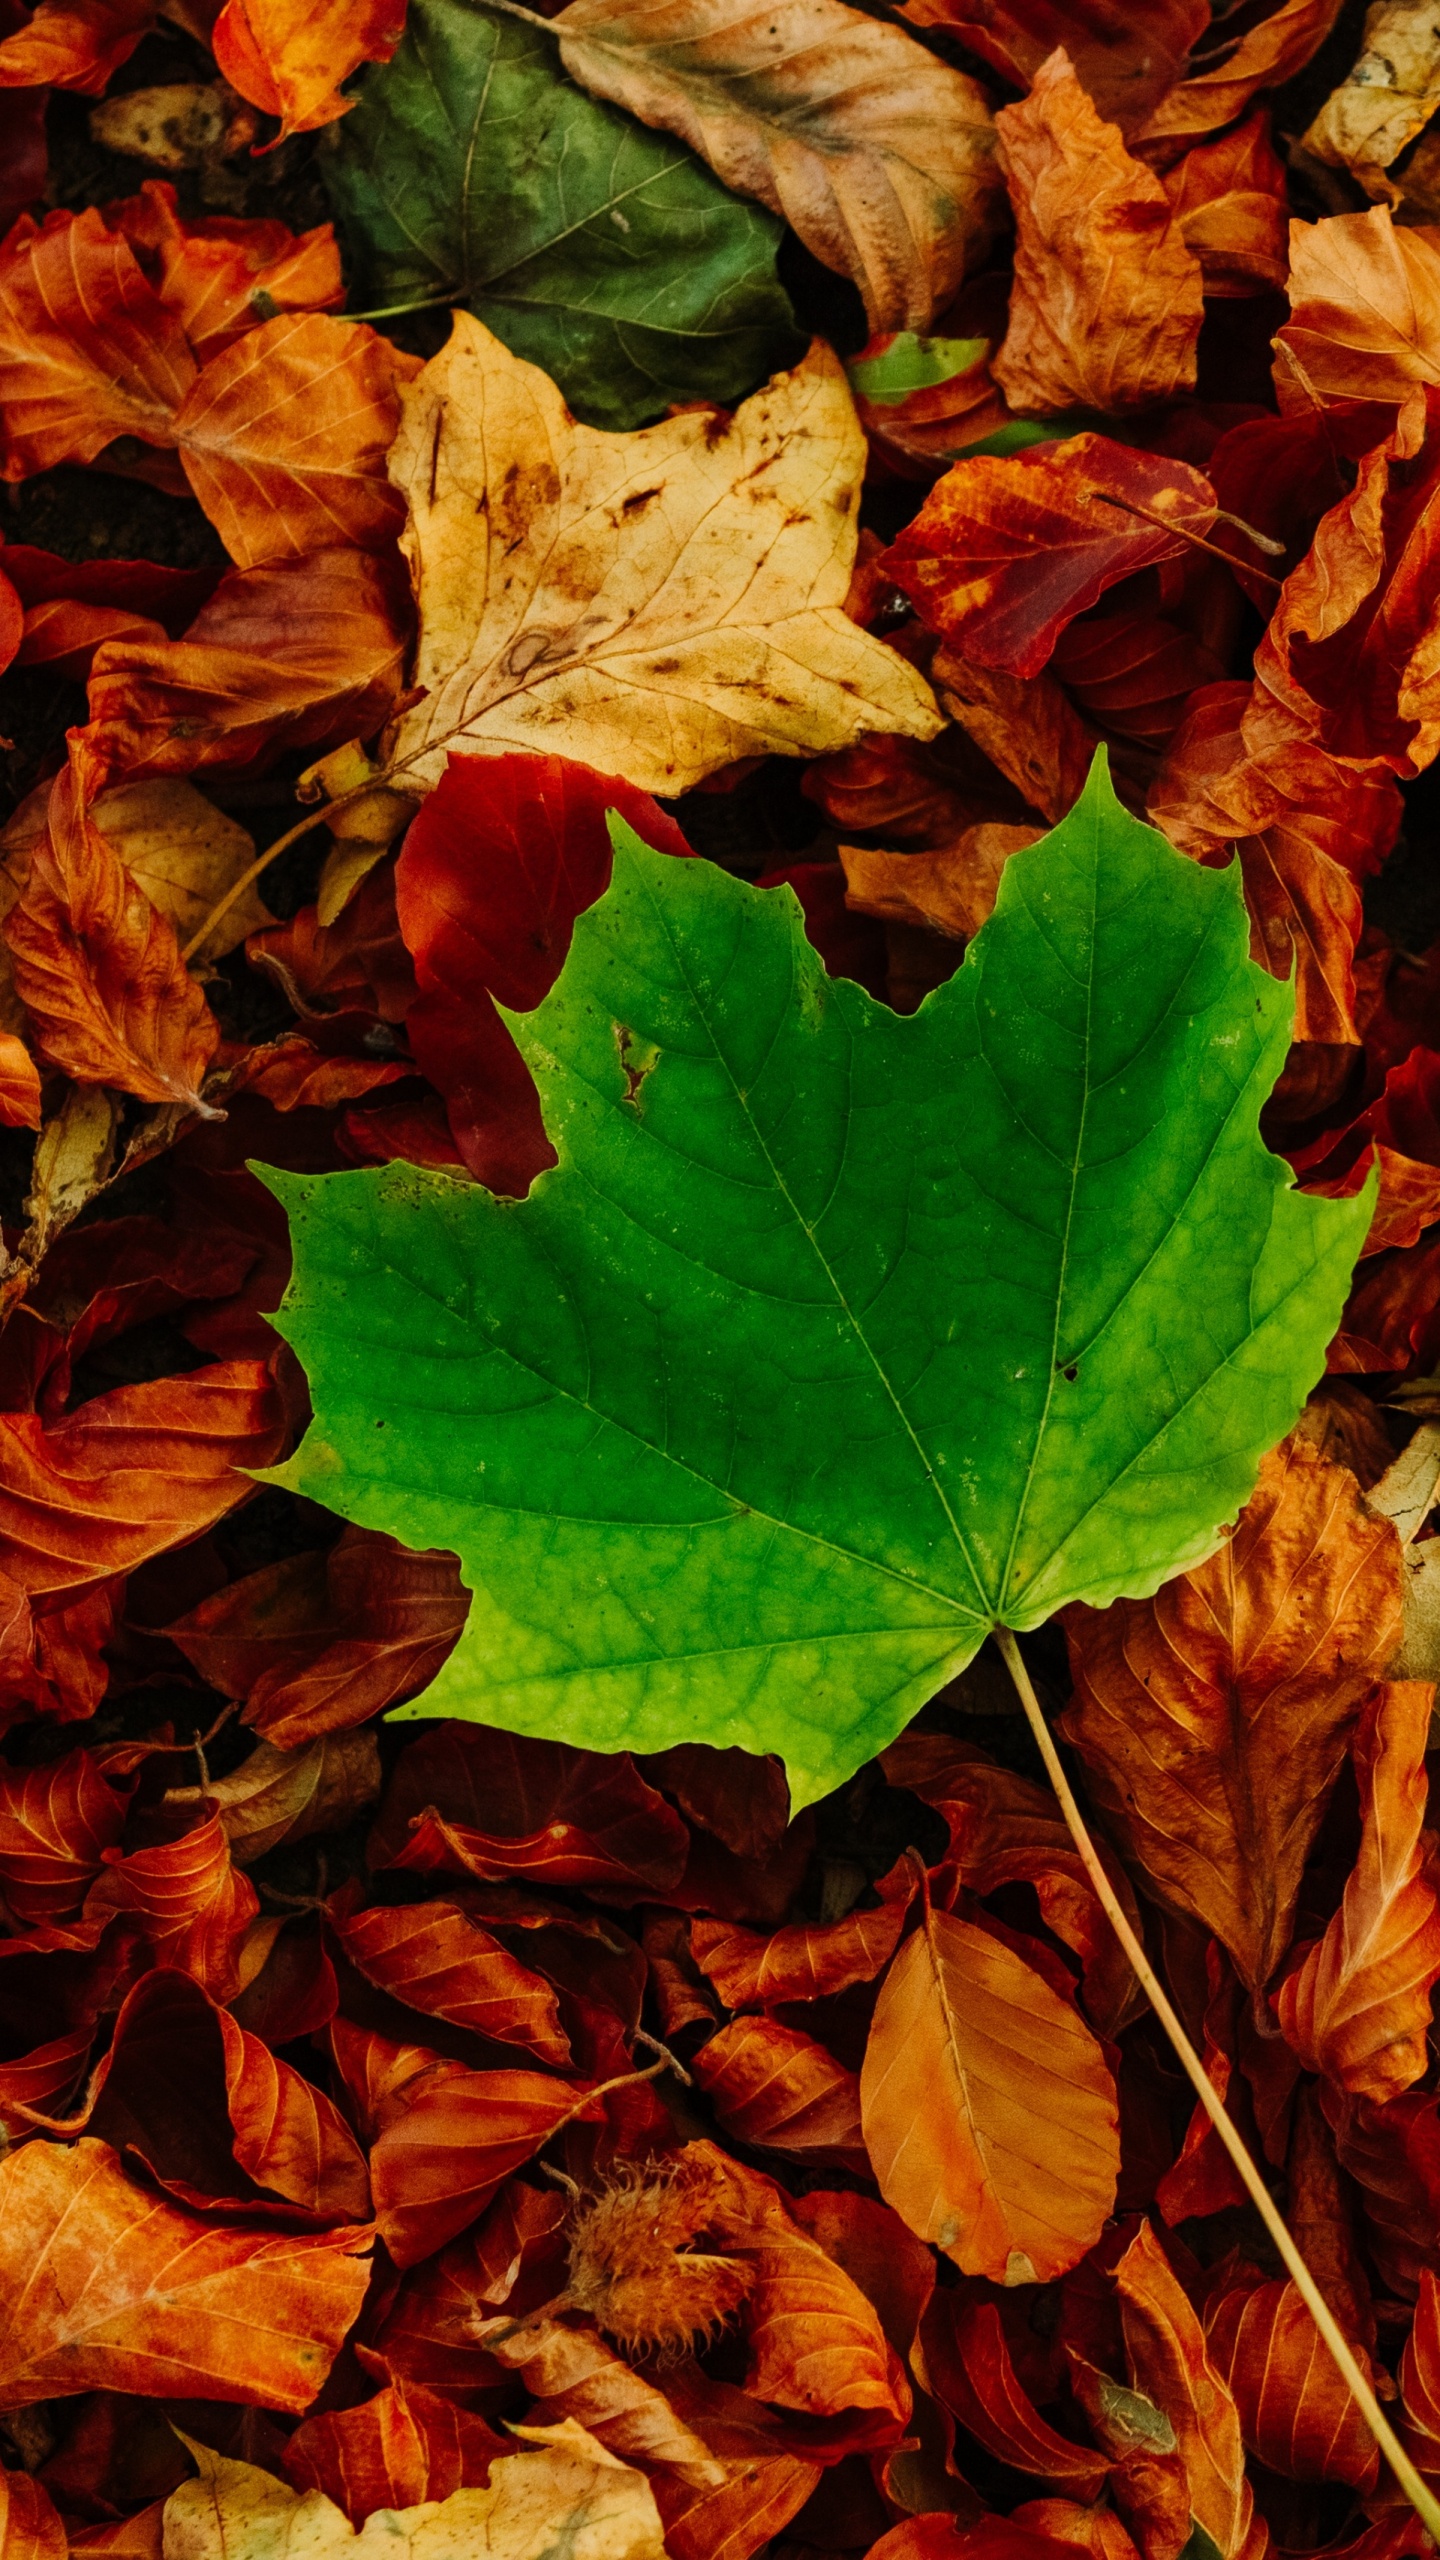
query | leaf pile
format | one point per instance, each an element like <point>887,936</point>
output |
<point>808,435</point>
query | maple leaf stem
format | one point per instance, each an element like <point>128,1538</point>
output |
<point>1425,2504</point>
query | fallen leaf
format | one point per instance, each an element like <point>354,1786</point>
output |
<point>90,351</point>
<point>1388,97</point>
<point>1420,2377</point>
<point>1228,197</point>
<point>1004,553</point>
<point>875,151</point>
<point>950,891</point>
<point>98,969</point>
<point>290,62</point>
<point>112,2288</point>
<point>1168,2360</point>
<point>809,1961</point>
<point>403,2447</point>
<point>775,2088</point>
<point>1296,2414</point>
<point>181,850</point>
<point>740,656</point>
<point>219,277</point>
<point>295,653</point>
<point>1125,56</point>
<point>192,1906</point>
<point>437,1957</point>
<point>55,1822</point>
<point>1107,301</point>
<point>453,2139</point>
<point>1358,2007</point>
<point>969,2368</point>
<point>29,2527</point>
<point>74,44</point>
<point>573,2375</point>
<point>1012,2173</point>
<point>321,1642</point>
<point>568,2492</point>
<point>505,189</point>
<point>1212,1719</point>
<point>1364,296</point>
<point>288,1795</point>
<point>1223,76</point>
<point>496,1804</point>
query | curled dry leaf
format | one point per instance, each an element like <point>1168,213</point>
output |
<point>673,595</point>
<point>1012,2173</point>
<point>1107,302</point>
<point>1358,2007</point>
<point>950,891</point>
<point>1364,308</point>
<point>1223,76</point>
<point>1228,197</point>
<point>288,1795</point>
<point>568,2492</point>
<point>1212,1719</point>
<point>1296,2414</point>
<point>403,2447</point>
<point>437,1957</point>
<point>1388,96</point>
<point>290,60</point>
<point>776,2088</point>
<point>877,153</point>
<point>1168,2360</point>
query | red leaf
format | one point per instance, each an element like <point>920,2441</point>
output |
<point>321,1642</point>
<point>110,2288</point>
<point>778,2089</point>
<point>397,2450</point>
<point>436,1957</point>
<point>476,1801</point>
<point>1004,553</point>
<point>503,856</point>
<point>1358,2007</point>
<point>1126,52</point>
<point>451,2143</point>
<point>290,60</point>
<point>74,44</point>
<point>55,1823</point>
<point>1297,2415</point>
<point>192,1905</point>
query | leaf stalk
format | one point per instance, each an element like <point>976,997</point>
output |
<point>1422,2499</point>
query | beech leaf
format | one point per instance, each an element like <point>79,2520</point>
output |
<point>835,1339</point>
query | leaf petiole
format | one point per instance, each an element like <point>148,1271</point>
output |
<point>1422,2499</point>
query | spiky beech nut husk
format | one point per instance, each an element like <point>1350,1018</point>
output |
<point>633,2263</point>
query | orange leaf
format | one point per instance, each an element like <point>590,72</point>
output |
<point>290,59</point>
<point>1223,75</point>
<point>988,2107</point>
<point>132,1472</point>
<point>802,1963</point>
<point>29,2527</point>
<point>1168,2362</point>
<point>88,349</point>
<point>816,2343</point>
<point>284,437</point>
<point>75,44</point>
<point>1213,1718</point>
<point>496,1805</point>
<point>435,1956</point>
<point>969,2368</point>
<point>1027,726</point>
<point>1364,310</point>
<point>403,2447</point>
<point>217,275</point>
<point>19,1084</point>
<point>296,653</point>
<point>1107,301</point>
<point>192,1905</point>
<point>1297,2415</point>
<point>574,2374</point>
<point>1358,2007</point>
<point>1420,2378</point>
<point>1228,197</point>
<point>451,2143</point>
<point>55,1823</point>
<point>111,2288</point>
<point>99,970</point>
<point>772,2086</point>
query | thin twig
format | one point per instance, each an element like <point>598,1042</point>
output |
<point>1425,2504</point>
<point>1104,498</point>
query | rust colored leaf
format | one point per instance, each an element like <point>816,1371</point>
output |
<point>74,44</point>
<point>775,2087</point>
<point>801,1963</point>
<point>284,437</point>
<point>188,1898</point>
<point>1228,197</point>
<point>29,2527</point>
<point>1004,553</point>
<point>875,151</point>
<point>88,348</point>
<point>98,969</point>
<point>514,2260</point>
<point>1106,306</point>
<point>453,2139</point>
<point>318,1643</point>
<point>1364,309</point>
<point>1126,52</point>
<point>397,2450</point>
<point>988,2108</point>
<point>970,2370</point>
<point>290,60</point>
<point>132,1472</point>
<point>109,2287</point>
<point>218,276</point>
<point>1027,727</point>
<point>1213,1718</point>
<point>1420,2378</point>
<point>1133,672</point>
<point>1165,2345</point>
<point>19,1084</point>
<point>295,653</point>
<point>1224,75</point>
<point>950,891</point>
<point>510,1806</point>
<point>55,1823</point>
<point>217,2118</point>
<point>573,2374</point>
<point>1296,2415</point>
<point>435,1956</point>
<point>1358,2007</point>
<point>815,2342</point>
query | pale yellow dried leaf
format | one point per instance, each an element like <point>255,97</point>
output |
<point>654,605</point>
<point>1388,96</point>
<point>1107,301</point>
<point>569,2496</point>
<point>877,153</point>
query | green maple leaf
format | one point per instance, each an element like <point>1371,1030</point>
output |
<point>472,170</point>
<point>835,1339</point>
